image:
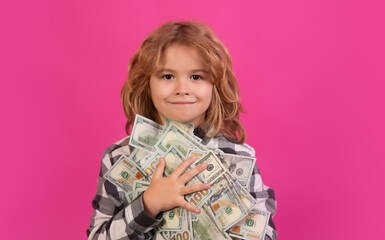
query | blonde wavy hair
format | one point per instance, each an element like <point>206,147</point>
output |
<point>223,113</point>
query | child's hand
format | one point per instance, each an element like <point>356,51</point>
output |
<point>166,193</point>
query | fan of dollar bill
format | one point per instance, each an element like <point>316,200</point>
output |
<point>227,208</point>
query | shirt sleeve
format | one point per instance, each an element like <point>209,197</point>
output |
<point>265,197</point>
<point>112,218</point>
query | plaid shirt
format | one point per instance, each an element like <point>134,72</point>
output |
<point>115,218</point>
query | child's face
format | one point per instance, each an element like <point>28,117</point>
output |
<point>182,92</point>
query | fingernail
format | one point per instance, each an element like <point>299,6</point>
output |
<point>204,165</point>
<point>197,211</point>
<point>194,157</point>
<point>207,185</point>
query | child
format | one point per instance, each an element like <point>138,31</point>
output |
<point>184,73</point>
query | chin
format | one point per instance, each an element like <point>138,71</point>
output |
<point>182,119</point>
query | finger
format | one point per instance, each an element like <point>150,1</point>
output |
<point>183,166</point>
<point>188,206</point>
<point>159,169</point>
<point>186,177</point>
<point>195,188</point>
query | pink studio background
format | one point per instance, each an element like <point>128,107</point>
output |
<point>311,76</point>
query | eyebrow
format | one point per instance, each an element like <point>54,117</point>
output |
<point>171,70</point>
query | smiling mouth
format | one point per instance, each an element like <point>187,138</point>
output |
<point>182,103</point>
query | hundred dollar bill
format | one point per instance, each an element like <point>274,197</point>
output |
<point>139,156</point>
<point>123,174</point>
<point>151,164</point>
<point>241,167</point>
<point>173,158</point>
<point>174,135</point>
<point>145,133</point>
<point>173,220</point>
<point>204,228</point>
<point>214,168</point>
<point>198,139</point>
<point>199,155</point>
<point>139,187</point>
<point>252,227</point>
<point>215,150</point>
<point>197,199</point>
<point>190,227</point>
<point>187,230</point>
<point>187,127</point>
<point>193,152</point>
<point>248,201</point>
<point>225,206</point>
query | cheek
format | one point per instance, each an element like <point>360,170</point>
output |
<point>207,94</point>
<point>160,91</point>
<point>155,89</point>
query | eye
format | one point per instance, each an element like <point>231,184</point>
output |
<point>197,77</point>
<point>167,76</point>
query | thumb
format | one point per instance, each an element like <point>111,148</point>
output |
<point>159,169</point>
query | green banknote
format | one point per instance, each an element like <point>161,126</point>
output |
<point>214,168</point>
<point>173,158</point>
<point>252,227</point>
<point>247,200</point>
<point>187,127</point>
<point>205,228</point>
<point>187,232</point>
<point>123,174</point>
<point>173,220</point>
<point>225,206</point>
<point>240,167</point>
<point>151,164</point>
<point>176,136</point>
<point>139,187</point>
<point>197,199</point>
<point>139,156</point>
<point>197,153</point>
<point>215,150</point>
<point>145,133</point>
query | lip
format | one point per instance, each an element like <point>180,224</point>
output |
<point>182,102</point>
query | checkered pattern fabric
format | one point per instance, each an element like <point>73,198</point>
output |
<point>115,218</point>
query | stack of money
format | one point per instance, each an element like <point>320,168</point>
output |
<point>228,211</point>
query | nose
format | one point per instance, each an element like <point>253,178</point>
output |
<point>182,88</point>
